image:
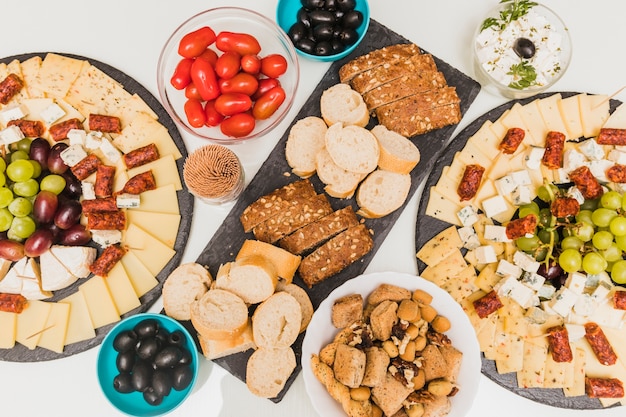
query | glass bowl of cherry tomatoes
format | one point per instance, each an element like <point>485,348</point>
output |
<point>228,75</point>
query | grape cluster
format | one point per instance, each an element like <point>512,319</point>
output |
<point>593,241</point>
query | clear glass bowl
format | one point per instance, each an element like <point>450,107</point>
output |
<point>233,19</point>
<point>495,57</point>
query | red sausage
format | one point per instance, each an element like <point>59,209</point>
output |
<point>99,204</point>
<point>487,304</point>
<point>140,183</point>
<point>141,156</point>
<point>600,344</point>
<point>107,260</point>
<point>104,123</point>
<point>12,303</point>
<point>512,139</point>
<point>470,182</point>
<point>521,227</point>
<point>555,144</point>
<point>604,387</point>
<point>609,136</point>
<point>87,166</point>
<point>588,185</point>
<point>619,300</point>
<point>617,173</point>
<point>9,87</point>
<point>560,348</point>
<point>30,128</point>
<point>59,130</point>
<point>105,175</point>
<point>106,220</point>
<point>563,207</point>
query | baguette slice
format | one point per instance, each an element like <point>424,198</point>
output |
<point>305,140</point>
<point>382,192</point>
<point>303,299</point>
<point>397,153</point>
<point>186,284</point>
<point>219,315</point>
<point>268,370</point>
<point>341,104</point>
<point>353,148</point>
<point>253,278</point>
<point>339,183</point>
<point>285,263</point>
<point>213,349</point>
<point>276,321</point>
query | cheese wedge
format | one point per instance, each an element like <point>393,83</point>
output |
<point>164,170</point>
<point>142,131</point>
<point>8,327</point>
<point>486,140</point>
<point>161,200</point>
<point>129,109</point>
<point>121,289</point>
<point>58,73</point>
<point>12,281</point>
<point>31,322</point>
<point>102,310</point>
<point>441,208</point>
<point>79,326</point>
<point>167,228</point>
<point>531,114</point>
<point>55,330</point>
<point>570,112</point>
<point>617,120</point>
<point>549,107</point>
<point>140,277</point>
<point>54,276</point>
<point>153,253</point>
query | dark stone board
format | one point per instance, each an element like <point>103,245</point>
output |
<point>229,237</point>
<point>427,227</point>
<point>185,201</point>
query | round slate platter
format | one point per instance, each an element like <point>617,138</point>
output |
<point>185,202</point>
<point>427,227</point>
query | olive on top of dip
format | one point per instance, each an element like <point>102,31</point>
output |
<point>522,45</point>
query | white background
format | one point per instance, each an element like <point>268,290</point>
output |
<point>128,34</point>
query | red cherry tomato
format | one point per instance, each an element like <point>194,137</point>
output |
<point>240,83</point>
<point>228,65</point>
<point>194,43</point>
<point>273,65</point>
<point>265,85</point>
<point>209,55</point>
<point>232,103</point>
<point>242,43</point>
<point>238,125</point>
<point>192,92</point>
<point>251,64</point>
<point>213,118</point>
<point>203,77</point>
<point>268,103</point>
<point>182,74</point>
<point>195,113</point>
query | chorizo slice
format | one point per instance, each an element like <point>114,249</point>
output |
<point>99,204</point>
<point>141,156</point>
<point>139,183</point>
<point>30,128</point>
<point>555,145</point>
<point>512,139</point>
<point>59,131</point>
<point>9,87</point>
<point>619,300</point>
<point>563,207</point>
<point>106,220</point>
<point>12,303</point>
<point>588,185</point>
<point>110,256</point>
<point>558,340</point>
<point>604,387</point>
<point>600,344</point>
<point>104,123</point>
<point>521,227</point>
<point>472,176</point>
<point>87,166</point>
<point>610,136</point>
<point>617,173</point>
<point>105,175</point>
<point>487,304</point>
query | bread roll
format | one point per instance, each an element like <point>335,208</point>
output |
<point>382,192</point>
<point>219,315</point>
<point>305,140</point>
<point>397,153</point>
<point>341,104</point>
<point>186,284</point>
<point>253,278</point>
<point>353,148</point>
<point>276,321</point>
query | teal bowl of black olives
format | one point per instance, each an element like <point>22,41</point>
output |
<point>324,30</point>
<point>147,365</point>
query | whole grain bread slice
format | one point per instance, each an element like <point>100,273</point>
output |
<point>406,85</point>
<point>375,58</point>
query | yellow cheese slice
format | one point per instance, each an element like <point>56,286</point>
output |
<point>153,253</point>
<point>57,73</point>
<point>30,68</point>
<point>558,374</point>
<point>102,310</point>
<point>441,208</point>
<point>142,131</point>
<point>514,118</point>
<point>121,289</point>
<point>70,111</point>
<point>167,228</point>
<point>549,107</point>
<point>439,247</point>
<point>487,336</point>
<point>86,92</point>
<point>513,352</point>
<point>8,326</point>
<point>471,154</point>
<point>617,120</point>
<point>129,109</point>
<point>442,272</point>
<point>79,326</point>
<point>164,170</point>
<point>31,323</point>
<point>570,112</point>
<point>35,106</point>
<point>448,187</point>
<point>532,374</point>
<point>487,278</point>
<point>161,200</point>
<point>506,164</point>
<point>462,284</point>
<point>486,140</point>
<point>531,114</point>
<point>497,127</point>
<point>140,277</point>
<point>456,169</point>
<point>578,386</point>
<point>487,189</point>
<point>594,112</point>
<point>53,337</point>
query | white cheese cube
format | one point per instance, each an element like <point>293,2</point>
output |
<point>110,151</point>
<point>127,200</point>
<point>576,194</point>
<point>576,282</point>
<point>521,177</point>
<point>592,150</point>
<point>563,301</point>
<point>506,269</point>
<point>73,154</point>
<point>496,233</point>
<point>77,137</point>
<point>505,185</point>
<point>532,280</point>
<point>93,140</point>
<point>546,291</point>
<point>575,332</point>
<point>469,237</point>
<point>536,315</point>
<point>521,195</point>
<point>485,254</point>
<point>533,157</point>
<point>52,113</point>
<point>106,238</point>
<point>525,261</point>
<point>11,135</point>
<point>494,206</point>
<point>585,305</point>
<point>13,113</point>
<point>467,215</point>
<point>616,156</point>
<point>573,159</point>
<point>561,176</point>
<point>505,286</point>
<point>89,193</point>
<point>599,168</point>
<point>602,291</point>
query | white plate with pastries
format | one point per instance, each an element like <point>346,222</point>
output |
<point>321,331</point>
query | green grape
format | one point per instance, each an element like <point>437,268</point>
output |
<point>572,242</point>
<point>29,188</point>
<point>624,201</point>
<point>528,244</point>
<point>23,227</point>
<point>20,207</point>
<point>17,155</point>
<point>593,263</point>
<point>545,217</point>
<point>601,217</point>
<point>584,216</point>
<point>36,168</point>
<point>546,193</point>
<point>611,200</point>
<point>590,204</point>
<point>583,231</point>
<point>6,218</point>
<point>612,253</point>
<point>618,272</point>
<point>602,240</point>
<point>3,179</point>
<point>3,165</point>
<point>620,241</point>
<point>541,253</point>
<point>53,182</point>
<point>6,196</point>
<point>548,236</point>
<point>528,208</point>
<point>20,170</point>
<point>570,260</point>
<point>618,226</point>
<point>24,145</point>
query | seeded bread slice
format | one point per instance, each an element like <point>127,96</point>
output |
<point>382,192</point>
<point>397,153</point>
<point>341,104</point>
<point>406,85</point>
<point>375,58</point>
<point>268,370</point>
<point>306,138</point>
<point>186,284</point>
<point>353,148</point>
<point>219,315</point>
<point>276,321</point>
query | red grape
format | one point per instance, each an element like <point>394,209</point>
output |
<point>45,206</point>
<point>37,243</point>
<point>68,214</point>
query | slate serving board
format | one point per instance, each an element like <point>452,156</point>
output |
<point>185,201</point>
<point>227,240</point>
<point>427,227</point>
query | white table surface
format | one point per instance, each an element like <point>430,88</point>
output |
<point>128,34</point>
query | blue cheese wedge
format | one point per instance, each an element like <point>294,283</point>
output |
<point>485,254</point>
<point>467,215</point>
<point>495,233</point>
<point>532,280</point>
<point>110,151</point>
<point>576,282</point>
<point>469,237</point>
<point>106,238</point>
<point>533,157</point>
<point>11,135</point>
<point>88,190</point>
<point>73,154</point>
<point>52,113</point>
<point>507,269</point>
<point>127,200</point>
<point>77,137</point>
<point>525,261</point>
<point>494,206</point>
<point>592,150</point>
<point>563,301</point>
<point>13,113</point>
<point>93,140</point>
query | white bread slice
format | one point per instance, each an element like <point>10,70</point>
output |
<point>301,297</point>
<point>268,370</point>
<point>285,263</point>
<point>339,183</point>
<point>382,192</point>
<point>306,138</point>
<point>276,321</point>
<point>213,349</point>
<point>353,148</point>
<point>397,153</point>
<point>341,104</point>
<point>253,278</point>
<point>186,284</point>
<point>219,315</point>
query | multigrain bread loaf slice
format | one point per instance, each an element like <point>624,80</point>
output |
<point>397,153</point>
<point>336,254</point>
<point>305,140</point>
<point>410,83</point>
<point>219,315</point>
<point>285,263</point>
<point>276,321</point>
<point>253,278</point>
<point>213,349</point>
<point>339,183</point>
<point>375,58</point>
<point>382,192</point>
<point>370,79</point>
<point>352,148</point>
<point>273,203</point>
<point>303,299</point>
<point>268,370</point>
<point>341,104</point>
<point>317,232</point>
<point>186,284</point>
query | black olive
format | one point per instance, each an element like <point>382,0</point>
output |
<point>162,337</point>
<point>123,383</point>
<point>322,16</point>
<point>124,341</point>
<point>186,358</point>
<point>330,5</point>
<point>338,15</point>
<point>161,382</point>
<point>177,338</point>
<point>323,48</point>
<point>141,376</point>
<point>348,36</point>
<point>125,361</point>
<point>352,19</point>
<point>312,4</point>
<point>346,5</point>
<point>337,46</point>
<point>152,397</point>
<point>147,348</point>
<point>306,45</point>
<point>146,328</point>
<point>168,357</point>
<point>303,17</point>
<point>181,377</point>
<point>524,48</point>
<point>323,32</point>
<point>297,31</point>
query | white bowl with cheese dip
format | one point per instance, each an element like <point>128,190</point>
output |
<point>521,48</point>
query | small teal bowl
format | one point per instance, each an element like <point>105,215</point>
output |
<point>287,10</point>
<point>133,403</point>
